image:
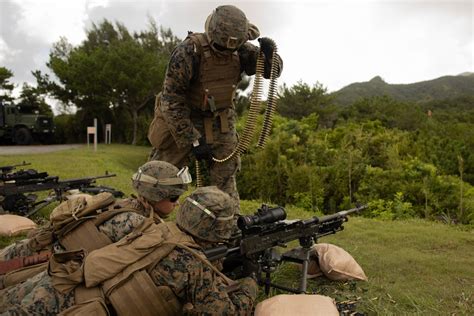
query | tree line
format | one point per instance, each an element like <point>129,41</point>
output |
<point>405,159</point>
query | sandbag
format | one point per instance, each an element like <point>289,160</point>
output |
<point>337,264</point>
<point>14,225</point>
<point>300,304</point>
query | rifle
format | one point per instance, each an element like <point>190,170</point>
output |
<point>267,229</point>
<point>22,175</point>
<point>15,200</point>
<point>6,169</point>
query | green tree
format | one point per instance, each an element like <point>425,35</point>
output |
<point>113,75</point>
<point>6,87</point>
<point>301,100</point>
<point>32,100</point>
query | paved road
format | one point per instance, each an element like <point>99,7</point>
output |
<point>35,149</point>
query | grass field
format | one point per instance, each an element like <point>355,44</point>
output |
<point>413,266</point>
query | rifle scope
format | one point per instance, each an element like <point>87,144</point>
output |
<point>264,216</point>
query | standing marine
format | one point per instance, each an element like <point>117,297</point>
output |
<point>195,115</point>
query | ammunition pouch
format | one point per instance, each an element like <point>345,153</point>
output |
<point>88,301</point>
<point>66,270</point>
<point>159,134</point>
<point>140,296</point>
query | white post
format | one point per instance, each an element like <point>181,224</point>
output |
<point>95,134</point>
<point>108,133</point>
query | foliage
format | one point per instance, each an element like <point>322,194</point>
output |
<point>301,100</point>
<point>113,75</point>
<point>332,169</point>
<point>6,87</point>
<point>32,100</point>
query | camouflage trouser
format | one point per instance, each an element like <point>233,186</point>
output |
<point>222,175</point>
<point>35,296</point>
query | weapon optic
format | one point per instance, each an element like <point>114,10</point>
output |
<point>267,229</point>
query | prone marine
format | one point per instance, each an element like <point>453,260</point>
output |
<point>159,268</point>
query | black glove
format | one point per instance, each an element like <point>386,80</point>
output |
<point>203,151</point>
<point>267,45</point>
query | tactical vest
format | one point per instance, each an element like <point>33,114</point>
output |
<point>213,91</point>
<point>214,88</point>
<point>121,270</point>
<point>81,232</point>
<point>84,232</point>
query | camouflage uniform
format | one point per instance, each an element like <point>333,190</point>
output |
<point>35,296</point>
<point>199,286</point>
<point>179,124</point>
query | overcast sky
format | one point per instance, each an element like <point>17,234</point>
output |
<point>334,42</point>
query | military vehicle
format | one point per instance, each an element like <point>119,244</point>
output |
<point>24,128</point>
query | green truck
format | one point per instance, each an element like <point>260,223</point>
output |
<point>24,128</point>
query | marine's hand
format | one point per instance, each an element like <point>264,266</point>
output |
<point>202,151</point>
<point>267,46</point>
<point>249,268</point>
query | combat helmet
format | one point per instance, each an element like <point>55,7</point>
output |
<point>227,26</point>
<point>159,180</point>
<point>208,213</point>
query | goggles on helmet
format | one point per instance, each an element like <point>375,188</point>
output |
<point>208,212</point>
<point>182,177</point>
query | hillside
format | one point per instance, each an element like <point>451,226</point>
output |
<point>440,88</point>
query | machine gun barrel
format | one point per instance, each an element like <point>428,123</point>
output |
<point>340,214</point>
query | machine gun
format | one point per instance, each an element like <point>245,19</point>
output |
<point>268,229</point>
<point>14,195</point>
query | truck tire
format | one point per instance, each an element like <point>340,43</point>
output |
<point>23,136</point>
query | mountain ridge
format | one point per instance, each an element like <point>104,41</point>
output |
<point>444,87</point>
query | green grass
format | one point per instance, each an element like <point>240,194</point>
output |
<point>413,266</point>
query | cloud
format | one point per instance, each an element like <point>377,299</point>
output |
<point>333,42</point>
